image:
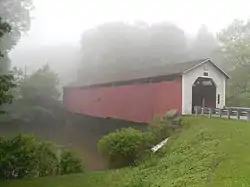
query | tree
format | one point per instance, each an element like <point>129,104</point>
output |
<point>117,46</point>
<point>5,85</point>
<point>41,85</point>
<point>238,91</point>
<point>205,44</point>
<point>235,48</point>
<point>4,28</point>
<point>167,42</point>
<point>5,79</point>
<point>235,44</point>
<point>36,95</point>
<point>17,14</point>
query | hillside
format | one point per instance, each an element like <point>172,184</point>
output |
<point>208,152</point>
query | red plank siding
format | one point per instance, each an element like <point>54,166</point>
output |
<point>137,102</point>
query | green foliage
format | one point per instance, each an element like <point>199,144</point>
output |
<point>6,80</point>
<point>238,89</point>
<point>47,159</point>
<point>128,146</point>
<point>207,152</point>
<point>36,95</point>
<point>137,182</point>
<point>69,163</point>
<point>236,51</point>
<point>18,158</point>
<point>163,127</point>
<point>6,83</point>
<point>159,128</point>
<point>122,148</point>
<point>234,40</point>
<point>4,27</point>
<point>41,84</point>
<point>17,14</point>
<point>24,157</point>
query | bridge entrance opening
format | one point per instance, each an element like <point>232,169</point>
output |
<point>203,93</point>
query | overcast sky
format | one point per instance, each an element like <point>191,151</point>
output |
<point>63,21</point>
<point>58,22</point>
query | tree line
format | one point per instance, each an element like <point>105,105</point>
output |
<point>116,46</point>
<point>119,46</point>
<point>27,94</point>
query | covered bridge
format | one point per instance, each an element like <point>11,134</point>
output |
<point>140,95</point>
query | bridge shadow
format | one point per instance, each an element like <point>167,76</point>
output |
<point>77,132</point>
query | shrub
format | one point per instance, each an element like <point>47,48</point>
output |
<point>69,163</point>
<point>163,127</point>
<point>129,146</point>
<point>18,157</point>
<point>159,128</point>
<point>122,148</point>
<point>24,157</point>
<point>47,159</point>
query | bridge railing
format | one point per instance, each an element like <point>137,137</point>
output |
<point>239,113</point>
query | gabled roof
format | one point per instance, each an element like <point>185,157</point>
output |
<point>146,72</point>
<point>205,61</point>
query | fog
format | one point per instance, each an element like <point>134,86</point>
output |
<point>57,25</point>
<point>80,42</point>
<point>57,21</point>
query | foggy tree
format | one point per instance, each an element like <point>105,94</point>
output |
<point>110,42</point>
<point>235,48</point>
<point>167,42</point>
<point>17,14</point>
<point>5,79</point>
<point>238,91</point>
<point>35,94</point>
<point>235,43</point>
<point>205,44</point>
<point>118,45</point>
<point>39,86</point>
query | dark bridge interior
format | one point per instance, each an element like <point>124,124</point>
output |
<point>203,93</point>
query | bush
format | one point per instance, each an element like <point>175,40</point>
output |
<point>24,157</point>
<point>69,163</point>
<point>122,148</point>
<point>163,127</point>
<point>18,157</point>
<point>129,146</point>
<point>47,159</point>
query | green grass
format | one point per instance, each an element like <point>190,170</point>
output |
<point>207,152</point>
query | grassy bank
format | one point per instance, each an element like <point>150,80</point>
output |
<point>208,152</point>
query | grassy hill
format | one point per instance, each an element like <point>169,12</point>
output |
<point>207,152</point>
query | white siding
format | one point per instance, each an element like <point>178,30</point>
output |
<point>189,78</point>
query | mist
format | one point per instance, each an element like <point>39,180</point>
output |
<point>58,25</point>
<point>56,44</point>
